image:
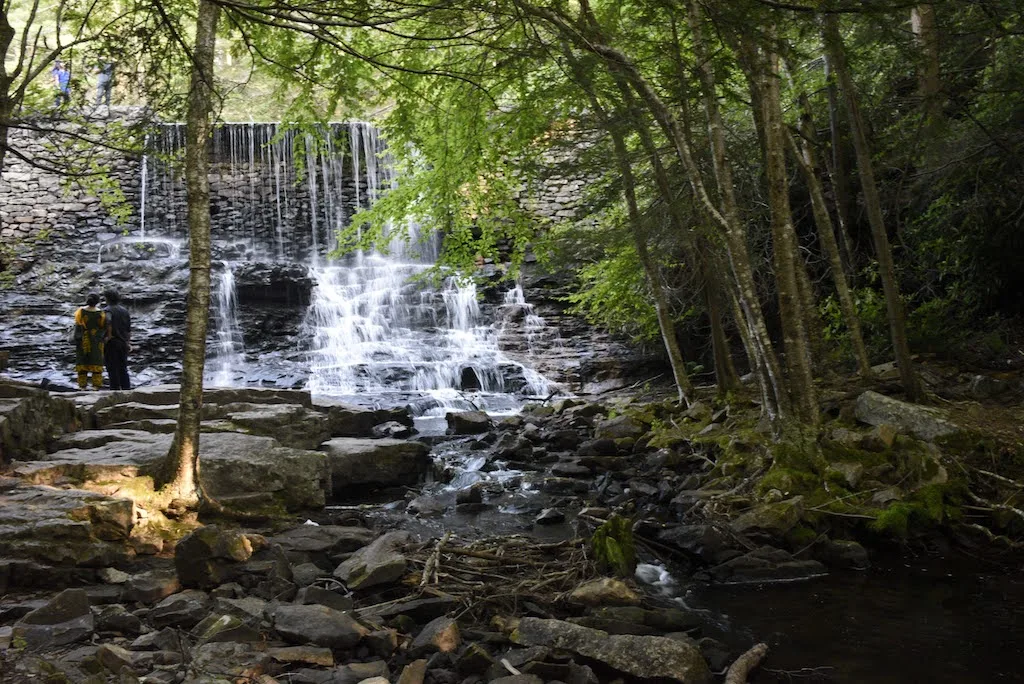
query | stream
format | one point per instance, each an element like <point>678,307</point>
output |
<point>904,620</point>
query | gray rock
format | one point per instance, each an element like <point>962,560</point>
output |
<point>292,425</point>
<point>249,609</point>
<point>228,659</point>
<point>116,618</point>
<point>322,543</point>
<point>440,634</point>
<point>373,672</point>
<point>775,519</point>
<point>923,422</point>
<point>518,679</point>
<point>320,625</point>
<point>65,619</point>
<point>209,555</point>
<point>619,428</point>
<point>707,542</point>
<point>323,597</point>
<point>62,527</point>
<point>473,494</point>
<point>468,423</point>
<point>114,658</point>
<point>392,430</point>
<point>214,628</point>
<point>375,462</point>
<point>378,563</point>
<point>184,610</point>
<point>550,516</point>
<point>987,387</point>
<point>842,553</point>
<point>765,564</point>
<point>646,657</point>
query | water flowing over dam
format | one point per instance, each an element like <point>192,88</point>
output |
<point>363,324</point>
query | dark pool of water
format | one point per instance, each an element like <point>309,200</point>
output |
<point>897,623</point>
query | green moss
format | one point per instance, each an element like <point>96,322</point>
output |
<point>614,547</point>
<point>928,507</point>
<point>788,481</point>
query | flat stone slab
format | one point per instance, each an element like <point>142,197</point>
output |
<point>64,526</point>
<point>376,462</point>
<point>233,464</point>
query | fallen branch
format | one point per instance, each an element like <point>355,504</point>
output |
<point>434,561</point>
<point>738,671</point>
<point>486,556</point>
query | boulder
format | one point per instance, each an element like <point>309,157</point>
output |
<point>65,619</point>
<point>923,422</point>
<point>320,543</point>
<point>620,427</point>
<point>775,519</point>
<point>645,657</point>
<point>378,563</point>
<point>440,634</point>
<point>352,421</point>
<point>468,422</point>
<point>706,542</point>
<point>319,625</point>
<point>65,527</point>
<point>207,557</point>
<point>359,463</point>
<point>414,673</point>
<point>151,587</point>
<point>605,591</point>
<point>392,429</point>
<point>236,464</point>
<point>550,516</point>
<point>114,658</point>
<point>184,609</point>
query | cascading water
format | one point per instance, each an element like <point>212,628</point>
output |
<point>372,331</point>
<point>229,351</point>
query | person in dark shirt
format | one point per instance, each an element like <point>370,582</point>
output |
<point>119,338</point>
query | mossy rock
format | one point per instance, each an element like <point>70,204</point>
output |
<point>614,547</point>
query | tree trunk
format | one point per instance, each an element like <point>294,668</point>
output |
<point>883,251</point>
<point>923,25</point>
<point>806,160</point>
<point>793,291</point>
<point>183,459</point>
<point>839,172</point>
<point>766,364</point>
<point>7,34</point>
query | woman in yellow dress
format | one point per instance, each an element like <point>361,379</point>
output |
<point>90,331</point>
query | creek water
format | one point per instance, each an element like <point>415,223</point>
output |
<point>949,620</point>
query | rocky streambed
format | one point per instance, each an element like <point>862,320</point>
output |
<point>355,550</point>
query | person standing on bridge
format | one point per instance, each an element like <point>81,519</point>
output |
<point>119,341</point>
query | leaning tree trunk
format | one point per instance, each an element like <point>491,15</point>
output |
<point>725,371</point>
<point>926,30</point>
<point>183,459</point>
<point>766,365</point>
<point>661,307</point>
<point>793,290</point>
<point>883,251</point>
<point>7,34</point>
<point>807,161</point>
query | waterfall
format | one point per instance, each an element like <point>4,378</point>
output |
<point>279,197</point>
<point>229,351</point>
<point>143,182</point>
